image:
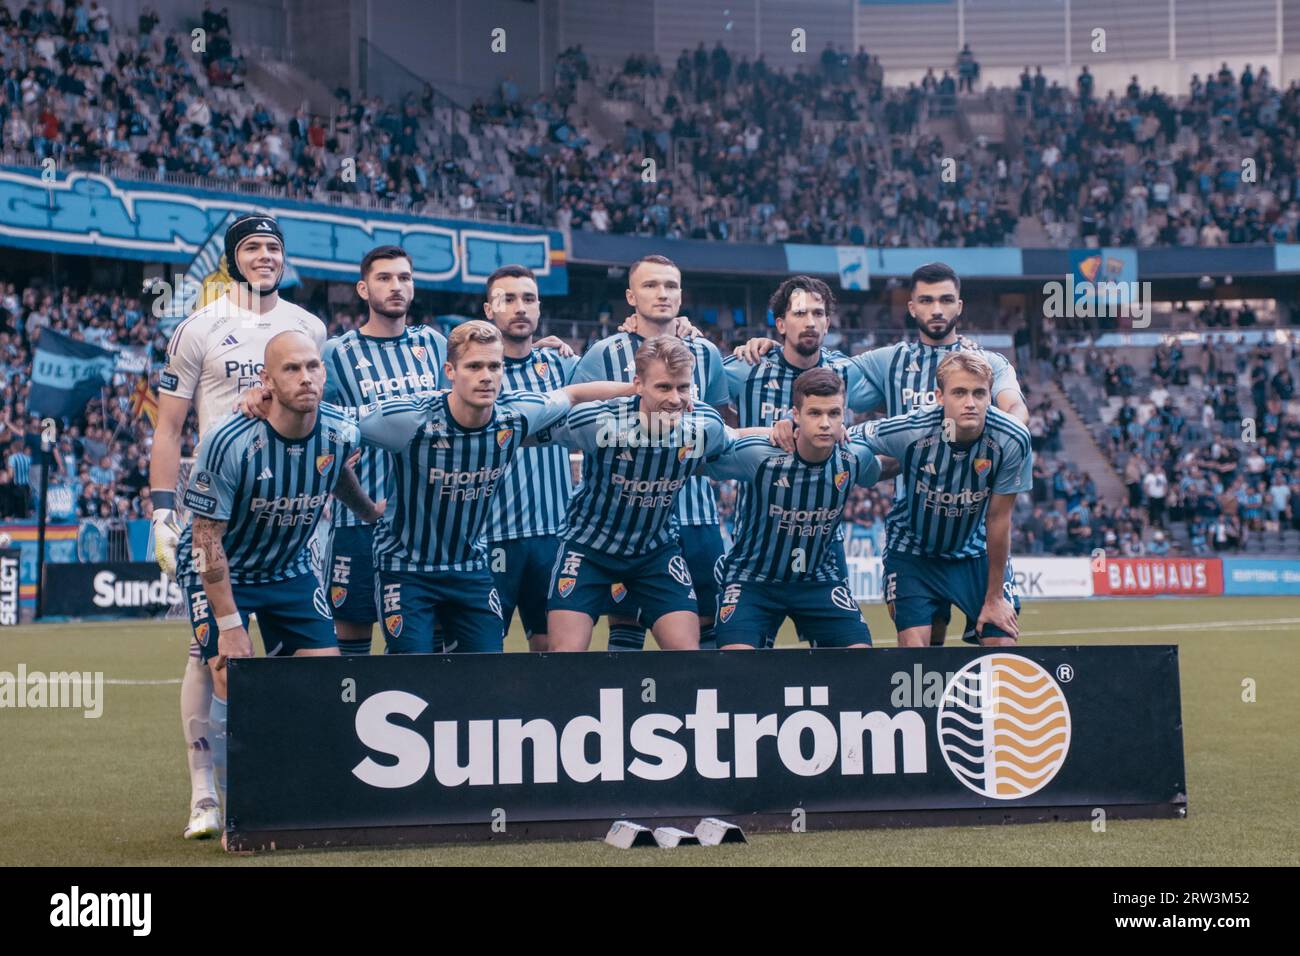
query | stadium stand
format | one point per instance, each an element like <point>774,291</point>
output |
<point>742,152</point>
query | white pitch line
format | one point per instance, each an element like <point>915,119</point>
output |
<point>1277,624</point>
<point>1191,626</point>
<point>115,680</point>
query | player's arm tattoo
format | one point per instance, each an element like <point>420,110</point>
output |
<point>209,554</point>
<point>348,490</point>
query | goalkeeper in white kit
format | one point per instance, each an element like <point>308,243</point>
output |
<point>214,355</point>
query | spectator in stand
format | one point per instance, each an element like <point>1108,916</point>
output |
<point>1155,484</point>
<point>968,70</point>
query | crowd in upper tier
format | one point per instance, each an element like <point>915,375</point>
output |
<point>832,153</point>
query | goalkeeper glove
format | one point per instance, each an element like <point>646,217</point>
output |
<point>166,536</point>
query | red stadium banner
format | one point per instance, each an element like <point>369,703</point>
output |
<point>1143,577</point>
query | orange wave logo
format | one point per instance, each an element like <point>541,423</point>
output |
<point>1004,726</point>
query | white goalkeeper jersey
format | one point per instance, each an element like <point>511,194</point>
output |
<point>218,352</point>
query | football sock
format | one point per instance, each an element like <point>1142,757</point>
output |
<point>626,637</point>
<point>708,640</point>
<point>217,729</point>
<point>196,693</point>
<point>357,648</point>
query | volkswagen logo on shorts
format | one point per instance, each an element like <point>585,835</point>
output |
<point>842,599</point>
<point>678,569</point>
<point>1004,726</point>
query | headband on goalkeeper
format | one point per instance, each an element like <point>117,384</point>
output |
<point>247,227</point>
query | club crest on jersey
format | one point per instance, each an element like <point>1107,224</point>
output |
<point>418,351</point>
<point>503,436</point>
<point>618,591</point>
<point>566,586</point>
<point>840,479</point>
<point>323,463</point>
<point>982,465</point>
<point>201,634</point>
<point>338,595</point>
<point>541,368</point>
<point>393,624</point>
<point>725,612</point>
<point>685,452</point>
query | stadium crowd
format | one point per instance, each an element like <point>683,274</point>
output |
<point>829,154</point>
<point>1204,443</point>
<point>101,469</point>
<point>743,151</point>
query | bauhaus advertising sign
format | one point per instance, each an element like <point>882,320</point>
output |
<point>428,740</point>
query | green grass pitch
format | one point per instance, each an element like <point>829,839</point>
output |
<point>114,791</point>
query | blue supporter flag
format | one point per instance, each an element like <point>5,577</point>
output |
<point>66,374</point>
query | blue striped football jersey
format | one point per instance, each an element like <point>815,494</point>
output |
<point>444,475</point>
<point>271,492</point>
<point>534,492</point>
<point>612,359</point>
<point>947,485</point>
<point>788,517</point>
<point>361,368</point>
<point>901,377</point>
<point>631,477</point>
<point>764,393</point>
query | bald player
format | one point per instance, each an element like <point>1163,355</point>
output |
<point>258,490</point>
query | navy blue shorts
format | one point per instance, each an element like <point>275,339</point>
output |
<point>465,605</point>
<point>658,583</point>
<point>919,589</point>
<point>292,616</point>
<point>352,574</point>
<point>824,612</point>
<point>522,569</point>
<point>703,549</point>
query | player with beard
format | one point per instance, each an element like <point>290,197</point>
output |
<point>526,514</point>
<point>384,358</point>
<point>902,377</point>
<point>763,393</point>
<point>655,292</point>
<point>213,356</point>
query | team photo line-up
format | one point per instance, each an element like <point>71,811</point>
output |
<point>392,475</point>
